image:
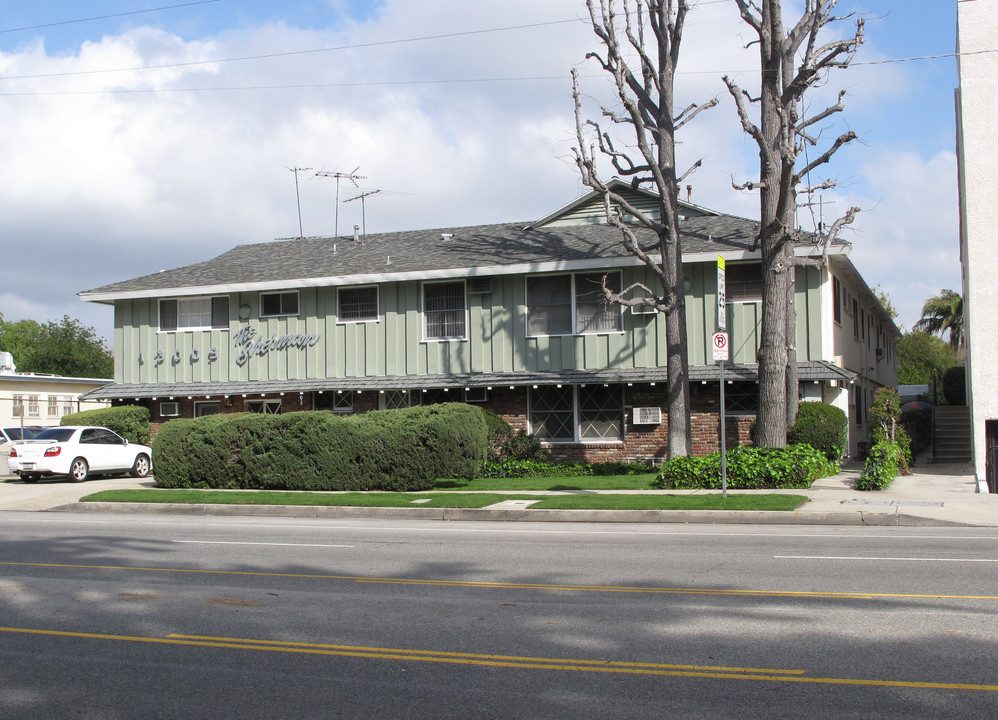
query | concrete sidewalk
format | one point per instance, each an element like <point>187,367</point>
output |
<point>931,495</point>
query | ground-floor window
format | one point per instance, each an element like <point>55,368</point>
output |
<point>572,413</point>
<point>394,399</point>
<point>741,398</point>
<point>264,407</point>
<point>337,402</point>
<point>207,408</point>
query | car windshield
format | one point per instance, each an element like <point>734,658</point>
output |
<point>18,434</point>
<point>57,434</point>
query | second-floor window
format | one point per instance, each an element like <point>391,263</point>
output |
<point>200,313</point>
<point>567,304</point>
<point>836,300</point>
<point>358,304</point>
<point>444,311</point>
<point>283,303</point>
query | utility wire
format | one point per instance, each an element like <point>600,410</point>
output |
<point>106,17</point>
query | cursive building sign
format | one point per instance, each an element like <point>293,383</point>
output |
<point>250,345</point>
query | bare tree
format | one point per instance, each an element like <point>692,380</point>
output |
<point>644,78</point>
<point>793,62</point>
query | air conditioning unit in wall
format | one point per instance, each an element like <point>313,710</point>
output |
<point>647,416</point>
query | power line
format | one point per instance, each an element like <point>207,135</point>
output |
<point>107,17</point>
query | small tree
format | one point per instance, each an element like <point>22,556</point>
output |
<point>644,72</point>
<point>942,313</point>
<point>792,62</point>
<point>66,348</point>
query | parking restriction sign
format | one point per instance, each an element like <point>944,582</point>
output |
<point>719,342</point>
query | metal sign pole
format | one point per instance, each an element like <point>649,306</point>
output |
<point>724,464</point>
<point>721,354</point>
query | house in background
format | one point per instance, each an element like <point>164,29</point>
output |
<point>507,316</point>
<point>977,156</point>
<point>30,399</point>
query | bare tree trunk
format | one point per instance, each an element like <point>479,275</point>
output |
<point>793,379</point>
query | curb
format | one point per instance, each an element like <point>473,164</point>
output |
<point>699,517</point>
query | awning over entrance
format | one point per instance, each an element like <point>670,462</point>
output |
<point>808,371</point>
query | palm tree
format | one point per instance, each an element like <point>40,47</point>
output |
<point>943,312</point>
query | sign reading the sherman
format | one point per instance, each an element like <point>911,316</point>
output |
<point>251,345</point>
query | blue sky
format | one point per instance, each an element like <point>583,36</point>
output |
<point>113,175</point>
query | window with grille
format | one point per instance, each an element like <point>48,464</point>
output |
<point>444,311</point>
<point>276,304</point>
<point>264,407</point>
<point>33,409</point>
<point>741,398</point>
<point>358,304</point>
<point>53,406</point>
<point>743,282</point>
<point>17,402</point>
<point>601,412</point>
<point>566,304</point>
<point>552,415</point>
<point>587,413</point>
<point>336,402</point>
<point>395,399</point>
<point>201,313</point>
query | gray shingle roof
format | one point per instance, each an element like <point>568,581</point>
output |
<point>428,251</point>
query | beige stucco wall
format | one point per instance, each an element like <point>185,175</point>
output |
<point>977,149</point>
<point>43,388</point>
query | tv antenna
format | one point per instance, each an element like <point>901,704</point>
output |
<point>297,170</point>
<point>363,206</point>
<point>353,177</point>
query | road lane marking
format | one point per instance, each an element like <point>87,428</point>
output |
<point>814,594</point>
<point>507,661</point>
<point>275,544</point>
<point>884,559</point>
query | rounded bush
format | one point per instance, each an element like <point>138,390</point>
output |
<point>822,426</point>
<point>129,421</point>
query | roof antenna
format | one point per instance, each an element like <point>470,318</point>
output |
<point>297,170</point>
<point>353,177</point>
<point>363,206</point>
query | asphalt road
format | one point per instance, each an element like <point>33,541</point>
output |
<point>183,617</point>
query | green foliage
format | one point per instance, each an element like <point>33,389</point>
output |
<point>881,466</point>
<point>504,444</point>
<point>885,425</point>
<point>920,355</point>
<point>955,385</point>
<point>523,468</point>
<point>749,468</point>
<point>129,421</point>
<point>60,348</point>
<point>822,426</point>
<point>941,313</point>
<point>400,450</point>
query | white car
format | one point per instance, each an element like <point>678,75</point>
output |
<point>78,452</point>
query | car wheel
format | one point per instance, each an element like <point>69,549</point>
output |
<point>29,478</point>
<point>79,470</point>
<point>141,467</point>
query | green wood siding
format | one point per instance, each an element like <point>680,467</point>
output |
<point>394,344</point>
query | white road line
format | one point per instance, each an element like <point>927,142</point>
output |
<point>900,559</point>
<point>232,542</point>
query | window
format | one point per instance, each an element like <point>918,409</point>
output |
<point>563,304</point>
<point>741,398</point>
<point>201,313</point>
<point>591,413</point>
<point>743,282</point>
<point>53,406</point>
<point>358,304</point>
<point>33,410</point>
<point>67,405</point>
<point>836,300</point>
<point>444,311</point>
<point>855,318</point>
<point>273,304</point>
<point>18,405</point>
<point>207,408</point>
<point>337,402</point>
<point>394,399</point>
<point>264,407</point>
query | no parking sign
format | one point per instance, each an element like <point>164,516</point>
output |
<point>719,342</point>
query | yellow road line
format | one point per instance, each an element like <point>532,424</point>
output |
<point>526,663</point>
<point>526,586</point>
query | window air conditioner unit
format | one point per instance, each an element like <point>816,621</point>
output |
<point>169,409</point>
<point>480,285</point>
<point>643,310</point>
<point>647,416</point>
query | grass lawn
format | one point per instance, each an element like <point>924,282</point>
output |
<point>454,499</point>
<point>592,482</point>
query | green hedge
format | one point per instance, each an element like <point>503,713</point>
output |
<point>129,421</point>
<point>881,466</point>
<point>748,468</point>
<point>822,426</point>
<point>398,450</point>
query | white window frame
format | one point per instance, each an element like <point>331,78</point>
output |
<point>198,405</point>
<point>34,410</point>
<point>53,406</point>
<point>210,299</point>
<point>574,300</point>
<point>464,297</point>
<point>282,313</point>
<point>264,407</point>
<point>339,304</point>
<point>17,406</point>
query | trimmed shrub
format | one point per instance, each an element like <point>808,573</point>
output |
<point>885,425</point>
<point>129,421</point>
<point>880,467</point>
<point>955,385</point>
<point>396,450</point>
<point>748,468</point>
<point>822,426</point>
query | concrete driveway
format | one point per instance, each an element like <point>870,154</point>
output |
<point>45,494</point>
